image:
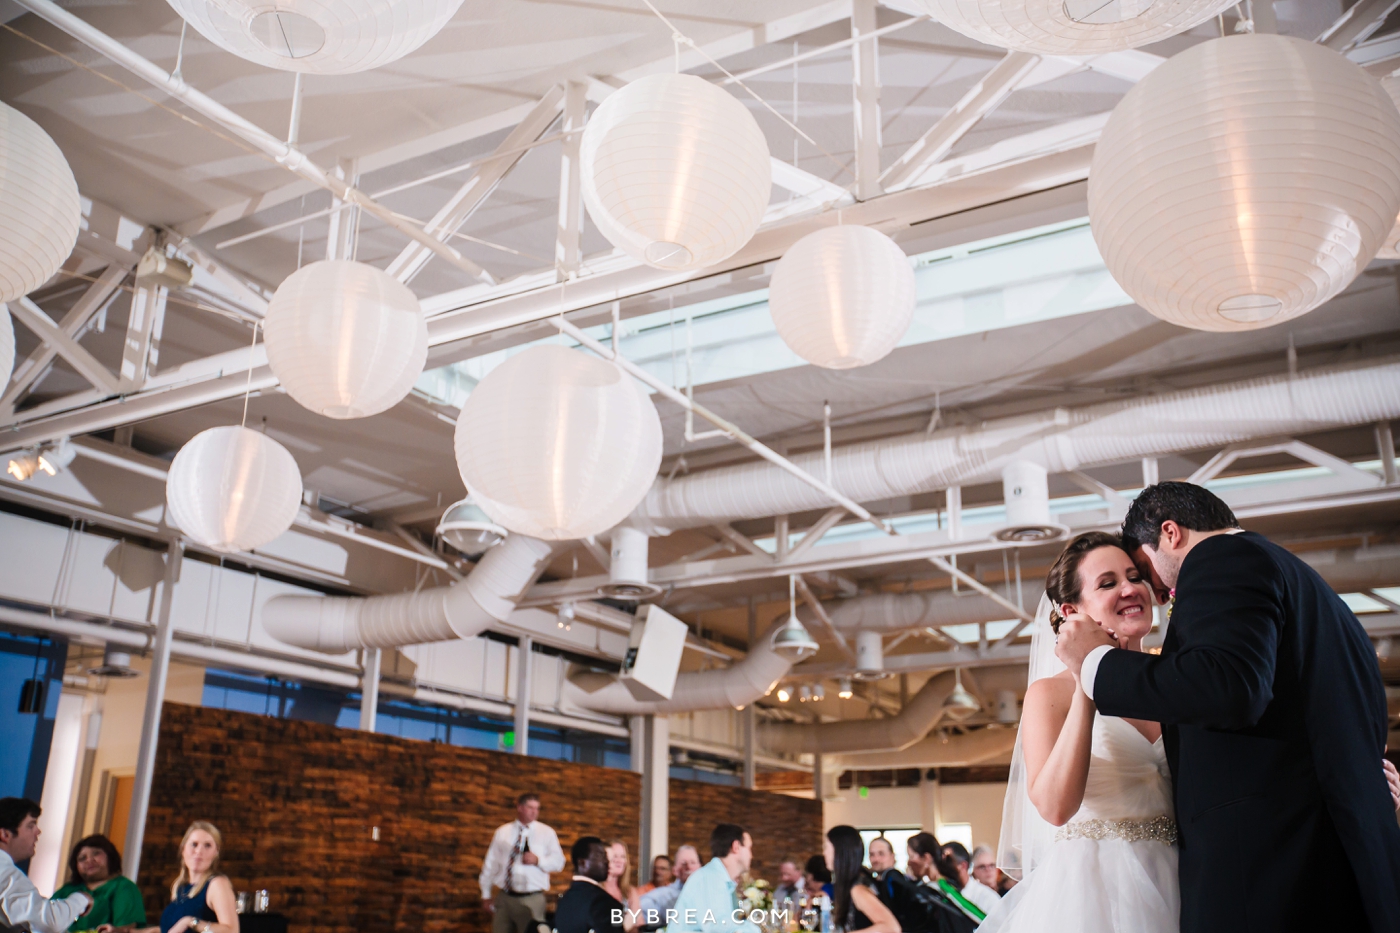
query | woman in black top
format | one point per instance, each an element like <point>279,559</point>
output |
<point>854,905</point>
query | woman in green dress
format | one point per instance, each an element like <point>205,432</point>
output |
<point>95,866</point>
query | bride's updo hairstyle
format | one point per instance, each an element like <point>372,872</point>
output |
<point>1062,583</point>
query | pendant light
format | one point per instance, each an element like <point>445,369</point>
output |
<point>470,530</point>
<point>793,641</point>
<point>40,210</point>
<point>960,704</point>
<point>233,489</point>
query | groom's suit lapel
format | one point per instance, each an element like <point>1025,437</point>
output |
<point>1170,736</point>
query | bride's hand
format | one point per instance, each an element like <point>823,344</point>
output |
<point>1392,778</point>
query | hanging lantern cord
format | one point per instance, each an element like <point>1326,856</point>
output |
<point>248,388</point>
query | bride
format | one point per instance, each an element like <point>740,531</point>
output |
<point>1089,802</point>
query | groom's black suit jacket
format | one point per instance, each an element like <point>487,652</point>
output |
<point>1274,721</point>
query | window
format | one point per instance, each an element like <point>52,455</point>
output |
<point>955,832</point>
<point>899,841</point>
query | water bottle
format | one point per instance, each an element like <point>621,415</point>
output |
<point>825,903</point>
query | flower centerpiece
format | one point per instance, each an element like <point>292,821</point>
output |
<point>756,894</point>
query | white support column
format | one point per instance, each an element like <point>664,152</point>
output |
<point>1149,472</point>
<point>369,689</point>
<point>818,789</point>
<point>750,713</point>
<point>524,653</point>
<point>143,327</point>
<point>637,738</point>
<point>864,65</point>
<point>150,724</point>
<point>570,229</point>
<point>656,775</point>
<point>344,220</point>
<point>954,498</point>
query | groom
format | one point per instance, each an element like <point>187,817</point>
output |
<point>1273,715</point>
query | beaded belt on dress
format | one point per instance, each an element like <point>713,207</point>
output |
<point>1157,829</point>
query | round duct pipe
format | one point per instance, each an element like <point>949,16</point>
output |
<point>1026,488</point>
<point>627,570</point>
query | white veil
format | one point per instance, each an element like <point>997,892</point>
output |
<point>1026,836</point>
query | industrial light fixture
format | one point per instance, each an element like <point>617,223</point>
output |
<point>818,693</point>
<point>468,529</point>
<point>784,694</point>
<point>567,614</point>
<point>960,704</point>
<point>804,693</point>
<point>844,690</point>
<point>56,457</point>
<point>23,464</point>
<point>115,663</point>
<point>793,640</point>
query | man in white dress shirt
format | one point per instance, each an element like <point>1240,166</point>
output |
<point>522,854</point>
<point>21,906</point>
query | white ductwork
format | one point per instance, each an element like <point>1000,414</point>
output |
<point>920,714</point>
<point>732,687</point>
<point>488,595</point>
<point>1058,440</point>
<point>983,746</point>
<point>870,655</point>
<point>884,613</point>
<point>627,566</point>
<point>1026,489</point>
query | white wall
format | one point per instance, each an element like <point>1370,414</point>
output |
<point>930,806</point>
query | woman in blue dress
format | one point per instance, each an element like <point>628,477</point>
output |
<point>201,899</point>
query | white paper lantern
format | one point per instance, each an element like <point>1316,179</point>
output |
<point>328,37</point>
<point>233,489</point>
<point>675,171</point>
<point>557,444</point>
<point>1245,181</point>
<point>1068,27</point>
<point>346,340</point>
<point>39,205</point>
<point>1390,249</point>
<point>842,297</point>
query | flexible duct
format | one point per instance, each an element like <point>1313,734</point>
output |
<point>336,624</point>
<point>732,687</point>
<point>1059,440</point>
<point>920,714</point>
<point>982,746</point>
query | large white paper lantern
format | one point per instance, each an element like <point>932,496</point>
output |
<point>1245,181</point>
<point>557,444</point>
<point>1068,27</point>
<point>39,205</point>
<point>842,297</point>
<point>345,339</point>
<point>233,489</point>
<point>675,171</point>
<point>328,37</point>
<point>1390,249</point>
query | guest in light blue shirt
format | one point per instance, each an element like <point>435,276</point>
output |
<point>709,901</point>
<point>657,901</point>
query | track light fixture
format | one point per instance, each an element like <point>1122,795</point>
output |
<point>844,690</point>
<point>784,694</point>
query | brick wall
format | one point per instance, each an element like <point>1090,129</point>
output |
<point>781,826</point>
<point>296,801</point>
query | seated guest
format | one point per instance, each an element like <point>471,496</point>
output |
<point>881,855</point>
<point>710,898</point>
<point>657,902</point>
<point>660,875</point>
<point>201,899</point>
<point>816,878</point>
<point>854,903</point>
<point>21,906</point>
<point>587,907</point>
<point>95,867</point>
<point>619,882</point>
<point>938,908</point>
<point>957,865</point>
<point>984,875</point>
<point>789,882</point>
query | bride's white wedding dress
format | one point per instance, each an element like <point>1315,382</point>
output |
<point>1112,868</point>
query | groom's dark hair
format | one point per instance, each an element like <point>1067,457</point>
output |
<point>1187,504</point>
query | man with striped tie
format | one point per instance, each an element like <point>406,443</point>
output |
<point>522,854</point>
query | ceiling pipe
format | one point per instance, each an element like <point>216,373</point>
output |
<point>488,595</point>
<point>923,711</point>
<point>981,746</point>
<point>1057,440</point>
<point>282,152</point>
<point>733,687</point>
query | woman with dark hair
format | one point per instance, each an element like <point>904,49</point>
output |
<point>95,867</point>
<point>854,903</point>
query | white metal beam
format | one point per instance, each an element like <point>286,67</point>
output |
<point>981,99</point>
<point>475,189</point>
<point>344,223</point>
<point>43,326</point>
<point>1357,24</point>
<point>570,225</point>
<point>141,348</point>
<point>32,368</point>
<point>290,157</point>
<point>866,96</point>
